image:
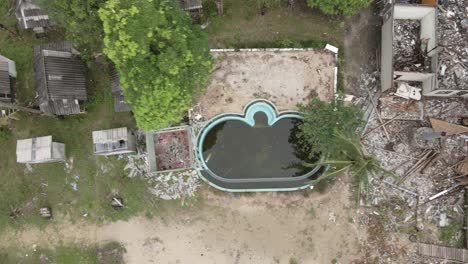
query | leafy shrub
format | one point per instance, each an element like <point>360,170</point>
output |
<point>285,42</point>
<point>5,133</point>
<point>339,7</point>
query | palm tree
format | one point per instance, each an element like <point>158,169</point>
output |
<point>346,156</point>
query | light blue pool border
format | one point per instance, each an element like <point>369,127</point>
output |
<point>247,116</point>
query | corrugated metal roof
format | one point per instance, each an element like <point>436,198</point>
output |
<point>34,149</point>
<point>5,85</point>
<point>60,78</point>
<point>110,135</point>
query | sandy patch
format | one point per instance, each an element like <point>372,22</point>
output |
<point>286,78</point>
<point>252,228</point>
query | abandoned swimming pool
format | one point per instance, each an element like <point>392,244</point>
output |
<point>258,150</point>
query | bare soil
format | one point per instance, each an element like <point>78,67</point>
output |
<point>287,78</point>
<point>247,228</point>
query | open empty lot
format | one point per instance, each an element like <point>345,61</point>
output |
<point>287,78</point>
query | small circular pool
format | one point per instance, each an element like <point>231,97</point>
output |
<point>259,150</point>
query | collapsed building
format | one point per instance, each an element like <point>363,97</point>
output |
<point>411,50</point>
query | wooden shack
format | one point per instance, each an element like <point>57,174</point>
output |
<point>39,150</point>
<point>114,141</point>
<point>7,77</point>
<point>60,79</point>
<point>31,16</point>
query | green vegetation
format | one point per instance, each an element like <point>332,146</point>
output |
<point>80,22</point>
<point>161,57</point>
<point>97,179</point>
<point>110,253</point>
<point>337,141</point>
<point>243,26</point>
<point>293,261</point>
<point>339,7</point>
<point>332,117</point>
<point>450,234</point>
<point>312,212</point>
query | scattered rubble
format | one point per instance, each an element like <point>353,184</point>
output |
<point>453,42</point>
<point>175,185</point>
<point>409,49</point>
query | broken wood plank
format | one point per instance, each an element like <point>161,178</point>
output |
<point>378,114</point>
<point>21,108</point>
<point>449,128</point>
<point>446,253</point>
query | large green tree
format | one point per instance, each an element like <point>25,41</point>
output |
<point>80,21</point>
<point>161,57</point>
<point>339,7</point>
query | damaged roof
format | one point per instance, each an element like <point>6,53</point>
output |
<point>30,15</point>
<point>61,78</point>
<point>190,4</point>
<point>119,101</point>
<point>5,85</point>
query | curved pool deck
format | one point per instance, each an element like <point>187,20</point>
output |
<point>253,183</point>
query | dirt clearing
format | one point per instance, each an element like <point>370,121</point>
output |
<point>286,78</point>
<point>249,228</point>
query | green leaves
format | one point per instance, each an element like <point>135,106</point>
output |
<point>339,7</point>
<point>322,120</point>
<point>162,59</point>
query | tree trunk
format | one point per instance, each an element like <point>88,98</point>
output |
<point>20,108</point>
<point>220,6</point>
<point>12,32</point>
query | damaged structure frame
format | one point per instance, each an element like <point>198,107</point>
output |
<point>427,16</point>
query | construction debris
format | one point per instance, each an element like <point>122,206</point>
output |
<point>448,128</point>
<point>409,49</point>
<point>137,165</point>
<point>117,203</point>
<point>394,107</point>
<point>45,212</point>
<point>453,40</point>
<point>175,185</point>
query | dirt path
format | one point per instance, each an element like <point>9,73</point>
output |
<point>259,228</point>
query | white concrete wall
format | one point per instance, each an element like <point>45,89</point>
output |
<point>428,30</point>
<point>386,53</point>
<point>411,11</point>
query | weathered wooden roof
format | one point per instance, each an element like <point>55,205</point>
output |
<point>5,85</point>
<point>60,78</point>
<point>190,4</point>
<point>30,15</point>
<point>119,101</point>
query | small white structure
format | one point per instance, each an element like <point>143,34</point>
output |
<point>113,141</point>
<point>39,150</point>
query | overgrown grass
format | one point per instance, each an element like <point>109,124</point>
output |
<point>110,253</point>
<point>450,234</point>
<point>97,179</point>
<point>243,26</point>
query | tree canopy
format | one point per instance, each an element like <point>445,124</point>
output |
<point>323,119</point>
<point>339,7</point>
<point>80,20</point>
<point>162,59</point>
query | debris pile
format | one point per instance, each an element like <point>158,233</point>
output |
<point>453,43</point>
<point>173,149</point>
<point>409,49</point>
<point>137,165</point>
<point>424,157</point>
<point>175,185</point>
